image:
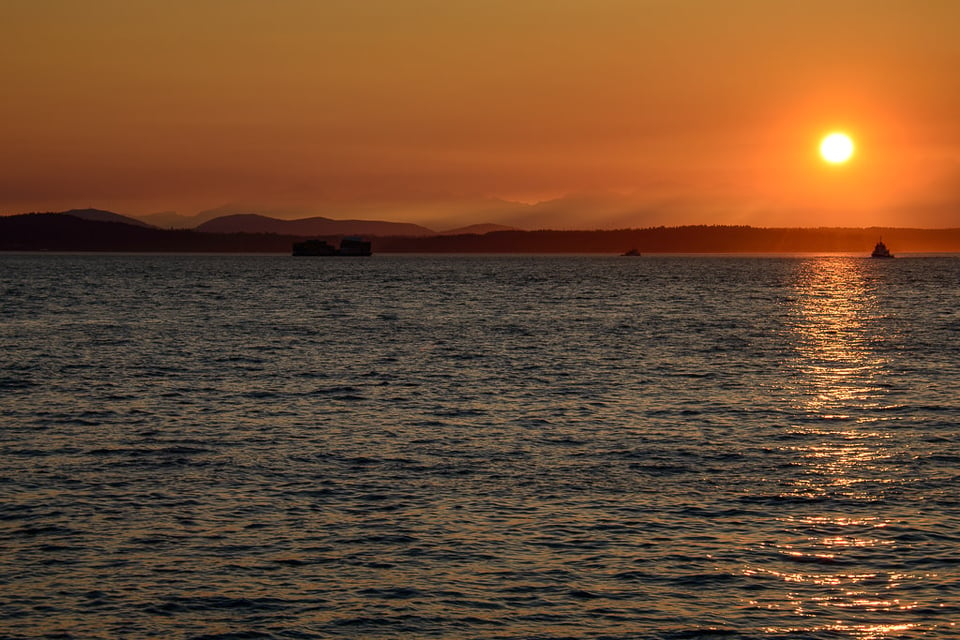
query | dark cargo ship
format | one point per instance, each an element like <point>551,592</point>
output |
<point>349,246</point>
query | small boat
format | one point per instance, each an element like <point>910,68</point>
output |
<point>881,251</point>
<point>633,253</point>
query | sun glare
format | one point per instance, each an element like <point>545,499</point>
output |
<point>836,148</point>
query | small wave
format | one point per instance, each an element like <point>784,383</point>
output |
<point>392,593</point>
<point>706,633</point>
<point>29,453</point>
<point>385,538</point>
<point>301,562</point>
<point>239,635</point>
<point>336,389</point>
<point>262,395</point>
<point>813,558</point>
<point>32,531</point>
<point>16,384</point>
<point>179,604</point>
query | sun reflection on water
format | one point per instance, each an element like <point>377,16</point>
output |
<point>842,450</point>
<point>843,458</point>
<point>833,343</point>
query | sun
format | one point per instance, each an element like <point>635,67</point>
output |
<point>836,148</point>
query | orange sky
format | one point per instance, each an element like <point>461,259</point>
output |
<point>627,112</point>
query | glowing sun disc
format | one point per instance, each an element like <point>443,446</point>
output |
<point>836,148</point>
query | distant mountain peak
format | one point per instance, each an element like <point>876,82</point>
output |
<point>101,215</point>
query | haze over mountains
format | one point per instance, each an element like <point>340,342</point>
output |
<point>572,211</point>
<point>454,216</point>
<point>441,216</point>
<point>232,218</point>
<point>599,210</point>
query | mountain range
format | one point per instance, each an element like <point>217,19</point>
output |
<point>450,214</point>
<point>312,226</point>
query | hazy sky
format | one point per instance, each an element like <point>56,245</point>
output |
<point>675,110</point>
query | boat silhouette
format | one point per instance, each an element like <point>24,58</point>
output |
<point>881,251</point>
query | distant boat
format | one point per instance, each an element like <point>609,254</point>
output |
<point>349,246</point>
<point>881,251</point>
<point>633,253</point>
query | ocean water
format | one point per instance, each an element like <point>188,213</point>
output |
<point>479,447</point>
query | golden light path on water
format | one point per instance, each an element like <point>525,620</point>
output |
<point>846,456</point>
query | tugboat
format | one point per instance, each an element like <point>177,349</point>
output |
<point>881,251</point>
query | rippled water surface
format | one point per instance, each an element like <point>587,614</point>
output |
<point>479,447</point>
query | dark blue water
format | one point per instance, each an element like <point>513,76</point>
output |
<point>479,447</point>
